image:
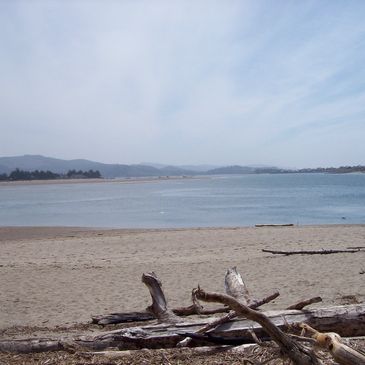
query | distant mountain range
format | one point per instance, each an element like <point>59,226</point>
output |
<point>37,162</point>
<point>197,168</point>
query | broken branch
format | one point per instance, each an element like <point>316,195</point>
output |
<point>300,305</point>
<point>309,252</point>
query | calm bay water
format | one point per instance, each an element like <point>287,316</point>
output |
<point>209,202</point>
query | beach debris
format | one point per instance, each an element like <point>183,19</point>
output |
<point>127,317</point>
<point>197,308</point>
<point>236,287</point>
<point>332,342</point>
<point>297,352</point>
<point>158,309</point>
<point>243,324</point>
<point>347,321</point>
<point>303,303</point>
<point>311,252</point>
<point>115,318</point>
<point>274,225</point>
<point>159,305</point>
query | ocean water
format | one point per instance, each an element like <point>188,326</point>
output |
<point>220,201</point>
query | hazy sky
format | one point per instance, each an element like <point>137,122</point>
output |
<point>184,82</point>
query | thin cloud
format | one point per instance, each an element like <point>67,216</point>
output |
<point>183,82</point>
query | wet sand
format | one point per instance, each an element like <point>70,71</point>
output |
<point>60,276</point>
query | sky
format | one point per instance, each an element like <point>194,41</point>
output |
<point>259,82</point>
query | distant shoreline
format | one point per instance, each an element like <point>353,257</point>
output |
<point>121,180</point>
<point>13,233</point>
<point>146,179</point>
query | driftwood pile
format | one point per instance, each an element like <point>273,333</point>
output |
<point>295,331</point>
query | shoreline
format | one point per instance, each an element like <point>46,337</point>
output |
<point>45,232</point>
<point>121,180</point>
<point>147,228</point>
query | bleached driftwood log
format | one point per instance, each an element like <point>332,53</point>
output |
<point>31,345</point>
<point>159,306</point>
<point>347,321</point>
<point>115,318</point>
<point>236,287</point>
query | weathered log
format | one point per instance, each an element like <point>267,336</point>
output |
<point>115,318</point>
<point>274,225</point>
<point>297,352</point>
<point>192,309</point>
<point>159,307</point>
<point>159,303</point>
<point>332,342</point>
<point>347,321</point>
<point>309,252</point>
<point>31,345</point>
<point>236,287</point>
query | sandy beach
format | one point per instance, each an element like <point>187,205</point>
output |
<point>62,276</point>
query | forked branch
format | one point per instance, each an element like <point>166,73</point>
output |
<point>235,287</point>
<point>297,352</point>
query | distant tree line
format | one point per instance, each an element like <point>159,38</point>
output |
<point>91,174</point>
<point>18,174</point>
<point>336,170</point>
<point>228,170</point>
<point>329,170</point>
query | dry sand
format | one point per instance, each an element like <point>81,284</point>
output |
<point>62,276</point>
